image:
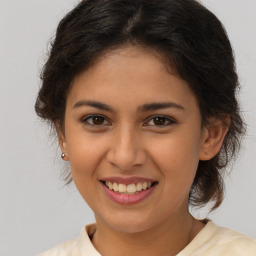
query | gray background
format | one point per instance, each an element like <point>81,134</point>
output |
<point>36,210</point>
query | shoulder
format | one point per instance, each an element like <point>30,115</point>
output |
<point>224,241</point>
<point>232,242</point>
<point>66,248</point>
<point>213,240</point>
<point>79,246</point>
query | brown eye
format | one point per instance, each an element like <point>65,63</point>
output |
<point>159,121</point>
<point>95,120</point>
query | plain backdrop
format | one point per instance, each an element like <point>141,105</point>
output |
<point>36,210</point>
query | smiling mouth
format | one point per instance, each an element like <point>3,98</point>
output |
<point>130,189</point>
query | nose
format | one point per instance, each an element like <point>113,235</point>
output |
<point>125,151</point>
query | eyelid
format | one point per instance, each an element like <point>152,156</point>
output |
<point>170,120</point>
<point>85,119</point>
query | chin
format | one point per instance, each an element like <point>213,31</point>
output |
<point>130,228</point>
<point>131,223</point>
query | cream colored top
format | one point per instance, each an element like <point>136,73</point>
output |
<point>210,241</point>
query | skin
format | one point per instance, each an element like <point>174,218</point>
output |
<point>129,142</point>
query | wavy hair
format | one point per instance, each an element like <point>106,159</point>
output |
<point>189,37</point>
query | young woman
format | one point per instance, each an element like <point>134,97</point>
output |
<point>142,96</point>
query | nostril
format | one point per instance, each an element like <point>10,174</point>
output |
<point>126,159</point>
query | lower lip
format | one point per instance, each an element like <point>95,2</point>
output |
<point>128,199</point>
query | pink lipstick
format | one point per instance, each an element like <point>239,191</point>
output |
<point>128,190</point>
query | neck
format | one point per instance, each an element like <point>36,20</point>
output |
<point>166,239</point>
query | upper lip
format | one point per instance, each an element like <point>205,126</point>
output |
<point>127,180</point>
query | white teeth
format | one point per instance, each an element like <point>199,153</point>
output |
<point>131,188</point>
<point>122,188</point>
<point>109,184</point>
<point>139,187</point>
<point>115,187</point>
<point>128,189</point>
<point>145,185</point>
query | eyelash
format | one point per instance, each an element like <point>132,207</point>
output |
<point>169,121</point>
<point>85,120</point>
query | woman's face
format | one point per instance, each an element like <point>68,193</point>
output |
<point>130,125</point>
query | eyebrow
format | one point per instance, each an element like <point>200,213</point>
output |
<point>94,104</point>
<point>144,108</point>
<point>159,105</point>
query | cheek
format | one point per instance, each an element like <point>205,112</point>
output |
<point>177,157</point>
<point>85,155</point>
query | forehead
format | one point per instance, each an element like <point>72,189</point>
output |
<point>130,75</point>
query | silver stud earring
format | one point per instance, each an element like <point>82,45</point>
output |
<point>63,155</point>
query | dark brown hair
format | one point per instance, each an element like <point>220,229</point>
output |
<point>189,37</point>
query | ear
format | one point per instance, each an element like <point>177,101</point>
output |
<point>212,137</point>
<point>62,141</point>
